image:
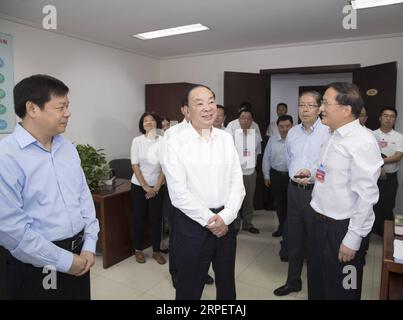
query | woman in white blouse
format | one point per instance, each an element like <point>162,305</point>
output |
<point>147,181</point>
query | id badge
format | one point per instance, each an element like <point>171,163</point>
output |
<point>383,144</point>
<point>246,153</point>
<point>320,173</point>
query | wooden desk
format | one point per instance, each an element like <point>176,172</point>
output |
<point>115,222</point>
<point>392,273</point>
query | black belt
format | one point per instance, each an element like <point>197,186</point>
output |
<point>308,186</point>
<point>217,210</point>
<point>281,173</point>
<point>321,217</point>
<point>73,243</point>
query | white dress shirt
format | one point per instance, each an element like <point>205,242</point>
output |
<point>389,143</point>
<point>248,147</point>
<point>203,174</point>
<point>234,125</point>
<point>352,165</point>
<point>145,153</point>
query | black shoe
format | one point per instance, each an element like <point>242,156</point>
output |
<point>252,230</point>
<point>174,281</point>
<point>284,258</point>
<point>277,233</point>
<point>209,279</point>
<point>285,289</point>
<point>165,251</point>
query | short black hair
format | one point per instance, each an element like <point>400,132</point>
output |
<point>245,105</point>
<point>219,106</point>
<point>166,118</point>
<point>388,109</point>
<point>245,110</point>
<point>156,117</point>
<point>185,101</point>
<point>282,104</point>
<point>38,89</point>
<point>348,94</point>
<point>285,117</point>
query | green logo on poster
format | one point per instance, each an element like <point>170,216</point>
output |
<point>3,109</point>
<point>2,93</point>
<point>1,78</point>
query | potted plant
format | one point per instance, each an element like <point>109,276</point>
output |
<point>96,169</point>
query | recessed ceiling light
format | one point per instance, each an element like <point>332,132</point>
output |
<point>362,4</point>
<point>171,31</point>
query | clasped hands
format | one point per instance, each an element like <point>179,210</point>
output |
<point>151,192</point>
<point>217,226</point>
<point>82,263</point>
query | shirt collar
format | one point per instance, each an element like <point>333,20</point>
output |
<point>24,138</point>
<point>313,127</point>
<point>347,128</point>
<point>193,134</point>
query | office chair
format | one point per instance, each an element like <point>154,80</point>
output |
<point>122,168</point>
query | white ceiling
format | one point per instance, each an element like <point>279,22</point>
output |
<point>235,24</point>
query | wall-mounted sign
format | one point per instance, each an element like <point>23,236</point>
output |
<point>7,115</point>
<point>372,92</point>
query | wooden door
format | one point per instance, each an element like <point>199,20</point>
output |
<point>249,87</point>
<point>378,88</point>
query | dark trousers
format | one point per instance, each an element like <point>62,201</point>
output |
<point>25,282</point>
<point>300,222</point>
<point>3,295</point>
<point>328,278</point>
<point>140,206</point>
<point>279,184</point>
<point>386,203</point>
<point>173,270</point>
<point>195,248</point>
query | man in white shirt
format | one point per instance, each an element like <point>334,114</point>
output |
<point>235,124</point>
<point>173,131</point>
<point>205,186</point>
<point>220,118</point>
<point>248,146</point>
<point>272,129</point>
<point>345,191</point>
<point>391,144</point>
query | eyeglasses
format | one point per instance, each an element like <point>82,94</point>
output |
<point>307,106</point>
<point>326,104</point>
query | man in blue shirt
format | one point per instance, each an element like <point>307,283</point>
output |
<point>303,145</point>
<point>275,173</point>
<point>47,213</point>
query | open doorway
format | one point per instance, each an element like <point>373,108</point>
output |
<point>377,84</point>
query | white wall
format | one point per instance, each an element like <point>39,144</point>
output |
<point>209,69</point>
<point>107,86</point>
<point>284,88</point>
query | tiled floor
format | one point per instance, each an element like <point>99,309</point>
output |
<point>258,271</point>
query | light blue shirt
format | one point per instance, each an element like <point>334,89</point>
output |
<point>274,156</point>
<point>303,148</point>
<point>44,197</point>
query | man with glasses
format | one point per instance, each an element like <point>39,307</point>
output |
<point>344,193</point>
<point>391,144</point>
<point>303,144</point>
